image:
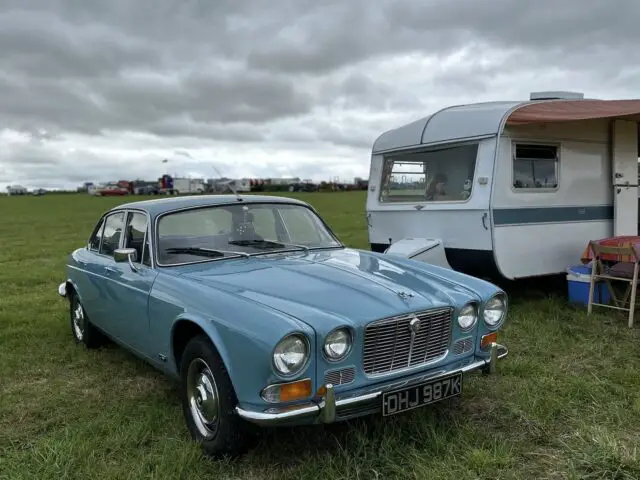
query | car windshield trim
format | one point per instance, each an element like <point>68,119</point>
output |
<point>208,252</point>
<point>275,204</point>
<point>288,250</point>
<point>266,244</point>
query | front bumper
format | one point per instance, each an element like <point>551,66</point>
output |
<point>331,409</point>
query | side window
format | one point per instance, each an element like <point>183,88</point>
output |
<point>535,166</point>
<point>112,232</point>
<point>136,237</point>
<point>94,242</point>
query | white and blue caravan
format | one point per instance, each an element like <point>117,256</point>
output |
<point>513,188</point>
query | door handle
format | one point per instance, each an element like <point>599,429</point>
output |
<point>484,218</point>
<point>111,269</point>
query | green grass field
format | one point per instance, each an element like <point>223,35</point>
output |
<point>564,404</point>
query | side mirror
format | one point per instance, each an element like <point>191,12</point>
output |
<point>126,255</point>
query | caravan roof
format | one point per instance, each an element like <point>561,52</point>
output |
<point>488,119</point>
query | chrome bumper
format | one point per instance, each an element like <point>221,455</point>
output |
<point>62,289</point>
<point>328,409</point>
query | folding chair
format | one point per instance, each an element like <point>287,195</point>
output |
<point>625,270</point>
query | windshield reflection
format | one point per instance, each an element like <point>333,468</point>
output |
<point>223,231</point>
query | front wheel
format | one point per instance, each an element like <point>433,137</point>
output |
<point>82,329</point>
<point>208,401</point>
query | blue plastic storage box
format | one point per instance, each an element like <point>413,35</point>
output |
<point>578,278</point>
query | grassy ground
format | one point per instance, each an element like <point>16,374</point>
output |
<point>565,404</point>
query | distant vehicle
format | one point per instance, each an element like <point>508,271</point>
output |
<point>304,187</point>
<point>93,189</point>
<point>188,185</point>
<point>16,190</point>
<point>237,185</point>
<point>112,190</point>
<point>145,188</point>
<point>38,192</point>
<point>264,316</point>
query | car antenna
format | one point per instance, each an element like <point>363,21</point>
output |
<point>238,197</point>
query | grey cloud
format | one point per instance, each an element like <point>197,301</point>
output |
<point>41,43</point>
<point>292,75</point>
<point>439,27</point>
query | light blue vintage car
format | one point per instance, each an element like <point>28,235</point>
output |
<point>265,317</point>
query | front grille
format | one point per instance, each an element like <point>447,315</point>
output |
<point>389,344</point>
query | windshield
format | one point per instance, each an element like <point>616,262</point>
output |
<point>221,231</point>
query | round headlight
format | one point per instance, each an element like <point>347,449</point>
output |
<point>337,344</point>
<point>467,316</point>
<point>290,355</point>
<point>494,310</point>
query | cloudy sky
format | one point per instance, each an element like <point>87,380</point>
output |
<point>95,90</point>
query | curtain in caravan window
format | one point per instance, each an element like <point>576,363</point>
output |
<point>442,175</point>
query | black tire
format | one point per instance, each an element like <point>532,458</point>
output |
<point>227,433</point>
<point>82,329</point>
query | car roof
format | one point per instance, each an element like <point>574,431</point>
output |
<point>162,205</point>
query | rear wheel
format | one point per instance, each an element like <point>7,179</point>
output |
<point>82,329</point>
<point>208,401</point>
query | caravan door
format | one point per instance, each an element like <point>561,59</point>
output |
<point>438,193</point>
<point>624,161</point>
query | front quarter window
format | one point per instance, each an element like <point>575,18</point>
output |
<point>96,237</point>
<point>112,233</point>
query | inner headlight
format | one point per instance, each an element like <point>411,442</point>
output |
<point>337,344</point>
<point>290,354</point>
<point>467,316</point>
<point>494,310</point>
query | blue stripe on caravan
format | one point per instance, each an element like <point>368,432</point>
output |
<point>525,216</point>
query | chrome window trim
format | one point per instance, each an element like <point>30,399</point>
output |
<point>126,212</point>
<point>146,235</point>
<point>159,216</point>
<point>120,240</point>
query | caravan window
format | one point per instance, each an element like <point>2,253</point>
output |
<point>535,166</point>
<point>443,175</point>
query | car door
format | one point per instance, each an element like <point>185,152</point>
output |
<point>132,286</point>
<point>92,271</point>
<point>101,269</point>
<point>88,275</point>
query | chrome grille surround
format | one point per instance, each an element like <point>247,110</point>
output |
<point>463,345</point>
<point>390,346</point>
<point>341,376</point>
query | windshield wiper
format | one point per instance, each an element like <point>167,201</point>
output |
<point>266,244</point>
<point>205,252</point>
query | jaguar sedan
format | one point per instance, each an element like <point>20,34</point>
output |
<point>264,317</point>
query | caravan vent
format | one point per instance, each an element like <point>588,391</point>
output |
<point>558,95</point>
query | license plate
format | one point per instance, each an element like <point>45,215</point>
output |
<point>420,395</point>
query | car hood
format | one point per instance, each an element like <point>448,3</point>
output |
<point>330,287</point>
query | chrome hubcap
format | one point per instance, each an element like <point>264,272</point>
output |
<point>202,393</point>
<point>78,322</point>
